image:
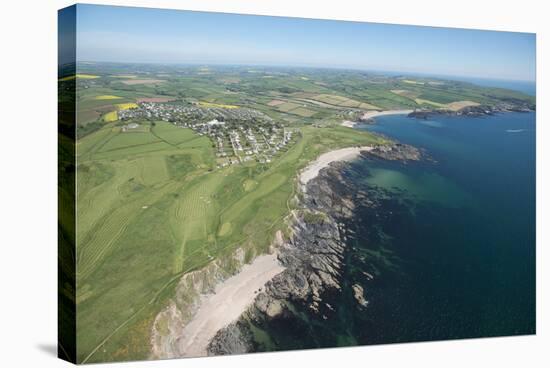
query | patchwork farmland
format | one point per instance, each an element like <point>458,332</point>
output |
<point>180,166</point>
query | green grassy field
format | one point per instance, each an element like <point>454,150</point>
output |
<point>152,205</point>
<point>150,210</point>
<point>308,94</point>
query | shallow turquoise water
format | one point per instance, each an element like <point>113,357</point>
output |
<point>451,246</point>
<point>467,250</point>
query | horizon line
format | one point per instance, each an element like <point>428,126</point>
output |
<point>419,74</point>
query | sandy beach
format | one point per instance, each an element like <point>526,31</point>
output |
<point>373,114</point>
<point>344,154</point>
<point>233,296</point>
<point>229,301</point>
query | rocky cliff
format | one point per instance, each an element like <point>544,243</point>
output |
<point>512,105</point>
<point>313,254</point>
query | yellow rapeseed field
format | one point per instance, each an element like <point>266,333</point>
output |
<point>79,76</point>
<point>107,97</point>
<point>113,115</point>
<point>110,116</point>
<point>126,106</point>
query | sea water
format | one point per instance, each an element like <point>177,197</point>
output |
<point>450,251</point>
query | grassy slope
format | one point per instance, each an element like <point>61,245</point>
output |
<point>147,217</point>
<point>150,210</point>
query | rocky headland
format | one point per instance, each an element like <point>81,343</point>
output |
<point>478,110</point>
<point>312,254</point>
<point>396,152</point>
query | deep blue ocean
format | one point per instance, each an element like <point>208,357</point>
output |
<point>449,253</point>
<point>526,87</point>
<point>468,246</point>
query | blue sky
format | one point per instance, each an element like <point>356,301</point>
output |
<point>124,34</point>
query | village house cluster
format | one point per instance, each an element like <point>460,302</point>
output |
<point>238,135</point>
<point>185,113</point>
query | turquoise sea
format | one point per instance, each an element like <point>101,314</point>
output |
<point>450,251</point>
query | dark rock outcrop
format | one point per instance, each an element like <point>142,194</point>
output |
<point>313,255</point>
<point>396,152</point>
<point>234,339</point>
